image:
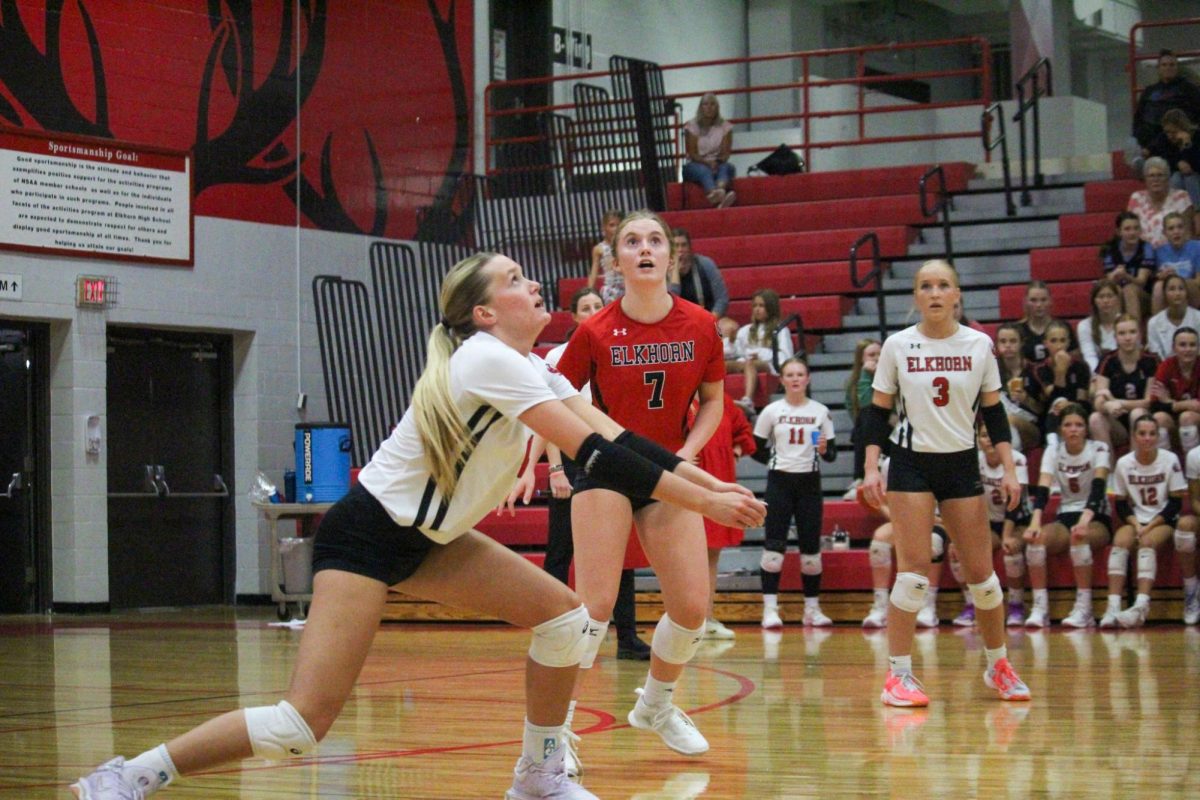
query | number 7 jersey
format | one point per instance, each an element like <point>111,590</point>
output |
<point>936,383</point>
<point>644,375</point>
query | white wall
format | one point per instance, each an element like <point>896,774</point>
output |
<point>246,282</point>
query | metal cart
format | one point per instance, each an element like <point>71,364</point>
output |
<point>305,512</point>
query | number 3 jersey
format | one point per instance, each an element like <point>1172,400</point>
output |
<point>1148,485</point>
<point>1074,473</point>
<point>789,429</point>
<point>937,384</point>
<point>644,375</point>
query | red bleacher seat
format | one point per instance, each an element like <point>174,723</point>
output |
<point>823,312</point>
<point>1109,196</point>
<point>1078,229</point>
<point>805,187</point>
<point>789,248</point>
<point>1071,299</point>
<point>753,220</point>
<point>1121,170</point>
<point>1053,264</point>
<point>556,329</point>
<point>527,527</point>
<point>567,287</point>
<point>815,278</point>
<point>735,387</point>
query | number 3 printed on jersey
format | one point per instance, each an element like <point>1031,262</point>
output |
<point>941,386</point>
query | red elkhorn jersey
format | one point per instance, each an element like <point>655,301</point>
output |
<point>644,375</point>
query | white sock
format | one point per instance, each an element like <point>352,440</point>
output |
<point>995,655</point>
<point>881,598</point>
<point>1083,597</point>
<point>1189,584</point>
<point>812,602</point>
<point>1142,600</point>
<point>931,597</point>
<point>901,665</point>
<point>540,741</point>
<point>1041,599</point>
<point>657,693</point>
<point>159,761</point>
<point>770,601</point>
<point>1114,602</point>
<point>570,714</point>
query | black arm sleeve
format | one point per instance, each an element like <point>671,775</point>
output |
<point>996,422</point>
<point>650,450</point>
<point>1022,513</point>
<point>875,425</point>
<point>830,454</point>
<point>1040,495</point>
<point>617,468</point>
<point>1097,498</point>
<point>1170,512</point>
<point>1123,510</point>
<point>762,450</point>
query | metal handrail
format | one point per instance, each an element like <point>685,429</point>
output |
<point>1134,58</point>
<point>800,349</point>
<point>162,491</point>
<point>876,274</point>
<point>1023,107</point>
<point>1001,141</point>
<point>943,205</point>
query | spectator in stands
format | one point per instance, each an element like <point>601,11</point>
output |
<point>1019,388</point>
<point>708,138</point>
<point>1150,488</point>
<point>1080,468</point>
<point>732,439</point>
<point>1180,255</point>
<point>1119,386</point>
<point>1097,331</point>
<point>1157,200</point>
<point>1130,263</point>
<point>1172,90</point>
<point>858,397</point>
<point>789,436</point>
<point>604,271</point>
<point>1176,314</point>
<point>880,553</point>
<point>1008,524</point>
<point>1061,378</point>
<point>560,549</point>
<point>696,277</point>
<point>1037,317</point>
<point>1175,393</point>
<point>758,341</point>
<point>1183,154</point>
<point>728,327</point>
<point>962,319</point>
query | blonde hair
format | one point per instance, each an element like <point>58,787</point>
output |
<point>445,437</point>
<point>937,262</point>
<point>762,334</point>
<point>645,213</point>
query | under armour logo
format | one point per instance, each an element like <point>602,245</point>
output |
<point>914,345</point>
<point>620,331</point>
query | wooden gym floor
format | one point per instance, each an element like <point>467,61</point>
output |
<point>437,712</point>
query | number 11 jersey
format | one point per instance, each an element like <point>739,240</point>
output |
<point>644,375</point>
<point>937,383</point>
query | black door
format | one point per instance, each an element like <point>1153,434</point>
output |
<point>169,514</point>
<point>22,370</point>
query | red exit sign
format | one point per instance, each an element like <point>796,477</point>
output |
<point>93,291</point>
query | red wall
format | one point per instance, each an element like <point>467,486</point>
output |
<point>369,68</point>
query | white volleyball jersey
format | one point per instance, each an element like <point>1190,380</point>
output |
<point>1192,465</point>
<point>936,383</point>
<point>552,359</point>
<point>1074,473</point>
<point>993,477</point>
<point>492,385</point>
<point>1148,485</point>
<point>789,429</point>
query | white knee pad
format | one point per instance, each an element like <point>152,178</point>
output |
<point>1147,564</point>
<point>673,643</point>
<point>1035,555</point>
<point>1118,561</point>
<point>1164,438</point>
<point>278,732</point>
<point>771,561</point>
<point>956,571</point>
<point>1189,437</point>
<point>560,642</point>
<point>880,554</point>
<point>1185,542</point>
<point>988,594</point>
<point>596,632</point>
<point>908,594</point>
<point>937,544</point>
<point>810,564</point>
<point>1081,555</point>
<point>1014,565</point>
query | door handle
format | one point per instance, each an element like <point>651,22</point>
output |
<point>219,490</point>
<point>15,484</point>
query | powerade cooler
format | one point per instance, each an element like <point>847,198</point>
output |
<point>322,461</point>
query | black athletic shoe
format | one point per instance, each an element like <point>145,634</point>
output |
<point>633,648</point>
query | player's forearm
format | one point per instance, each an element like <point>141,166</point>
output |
<point>707,420</point>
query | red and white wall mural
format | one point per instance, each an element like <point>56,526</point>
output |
<point>353,112</point>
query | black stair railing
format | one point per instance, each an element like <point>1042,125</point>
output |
<point>876,275</point>
<point>940,205</point>
<point>1028,107</point>
<point>1001,141</point>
